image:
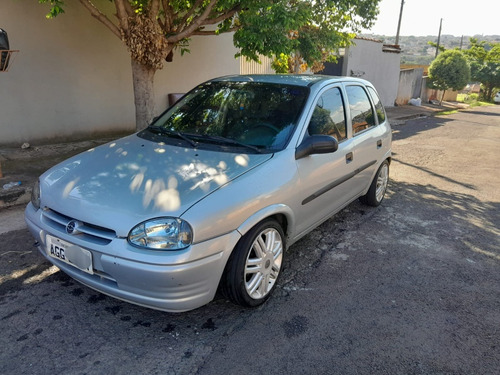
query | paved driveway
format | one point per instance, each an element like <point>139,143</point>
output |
<point>411,287</point>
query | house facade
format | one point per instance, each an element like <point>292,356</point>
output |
<point>374,61</point>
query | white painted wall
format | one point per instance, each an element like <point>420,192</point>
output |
<point>210,57</point>
<point>72,77</point>
<point>410,85</point>
<point>367,60</point>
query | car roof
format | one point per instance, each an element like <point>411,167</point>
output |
<point>306,80</point>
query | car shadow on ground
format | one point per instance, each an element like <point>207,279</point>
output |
<point>417,126</point>
<point>430,172</point>
<point>470,224</point>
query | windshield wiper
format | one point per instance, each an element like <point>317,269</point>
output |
<point>230,141</point>
<point>175,133</point>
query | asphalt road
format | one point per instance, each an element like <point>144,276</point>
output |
<point>410,287</point>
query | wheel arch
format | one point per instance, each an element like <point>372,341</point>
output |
<point>280,212</point>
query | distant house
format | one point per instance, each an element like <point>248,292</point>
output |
<point>473,88</point>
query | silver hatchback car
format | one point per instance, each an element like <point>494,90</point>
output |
<point>212,193</point>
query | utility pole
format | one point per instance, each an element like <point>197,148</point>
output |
<point>461,42</point>
<point>399,22</point>
<point>439,38</point>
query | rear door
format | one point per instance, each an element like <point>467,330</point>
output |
<point>370,135</point>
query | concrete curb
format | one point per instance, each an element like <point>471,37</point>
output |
<point>15,196</point>
<point>402,120</point>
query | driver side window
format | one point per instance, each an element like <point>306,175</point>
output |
<point>328,117</point>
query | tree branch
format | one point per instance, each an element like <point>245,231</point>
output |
<point>122,14</point>
<point>168,16</point>
<point>154,9</point>
<point>216,20</point>
<point>190,12</point>
<point>197,22</point>
<point>87,4</point>
<point>128,8</point>
<point>161,23</point>
<point>214,32</point>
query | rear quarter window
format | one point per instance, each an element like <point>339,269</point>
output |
<point>379,108</point>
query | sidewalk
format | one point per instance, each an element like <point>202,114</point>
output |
<point>25,165</point>
<point>398,115</point>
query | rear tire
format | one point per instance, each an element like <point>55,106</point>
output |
<point>254,266</point>
<point>378,187</point>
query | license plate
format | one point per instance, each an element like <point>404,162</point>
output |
<point>70,254</point>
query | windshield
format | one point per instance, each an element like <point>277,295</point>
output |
<point>258,116</point>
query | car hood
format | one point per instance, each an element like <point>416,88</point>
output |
<point>125,182</point>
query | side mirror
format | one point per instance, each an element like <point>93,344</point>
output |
<point>316,144</point>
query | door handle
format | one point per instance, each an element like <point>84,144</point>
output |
<point>349,157</point>
<point>379,143</point>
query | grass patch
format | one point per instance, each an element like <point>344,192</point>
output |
<point>445,113</point>
<point>480,104</point>
<point>472,100</point>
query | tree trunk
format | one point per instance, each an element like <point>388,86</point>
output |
<point>143,78</point>
<point>489,93</point>
<point>442,97</point>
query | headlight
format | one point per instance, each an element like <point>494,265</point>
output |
<point>35,195</point>
<point>166,233</point>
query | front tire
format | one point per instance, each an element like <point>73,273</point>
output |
<point>254,266</point>
<point>378,187</point>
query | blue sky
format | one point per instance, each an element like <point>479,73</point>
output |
<point>421,17</point>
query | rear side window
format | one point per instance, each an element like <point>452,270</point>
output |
<point>379,108</point>
<point>362,115</point>
<point>328,117</point>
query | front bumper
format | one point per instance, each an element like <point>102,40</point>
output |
<point>172,281</point>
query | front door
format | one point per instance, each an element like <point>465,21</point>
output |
<point>326,183</point>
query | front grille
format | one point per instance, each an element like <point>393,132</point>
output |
<point>86,231</point>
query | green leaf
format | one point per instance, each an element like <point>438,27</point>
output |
<point>56,7</point>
